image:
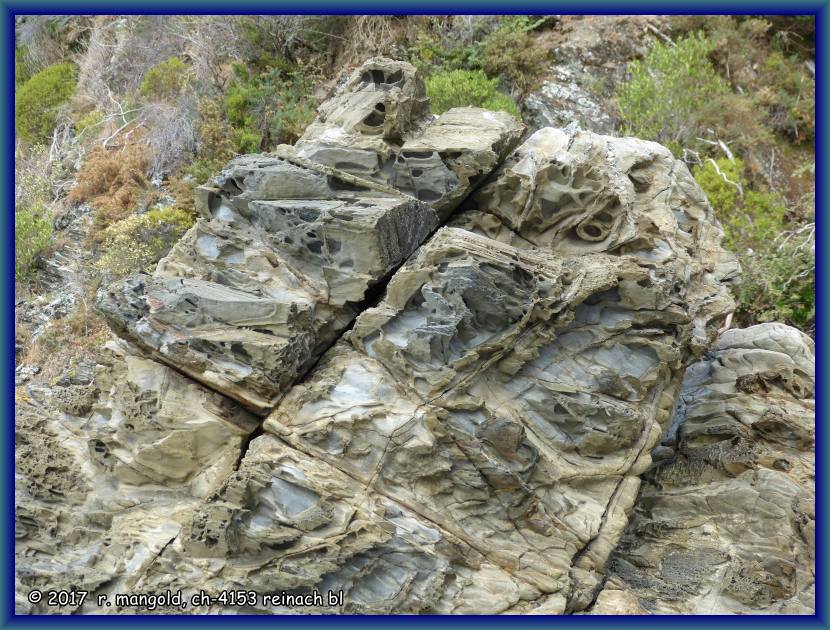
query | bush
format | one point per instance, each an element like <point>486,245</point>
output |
<point>671,92</point>
<point>166,80</point>
<point>32,233</point>
<point>750,218</point>
<point>790,96</point>
<point>512,54</point>
<point>112,182</point>
<point>270,108</point>
<point>503,49</point>
<point>32,193</point>
<point>779,280</point>
<point>764,61</point>
<point>139,241</point>
<point>39,100</point>
<point>461,88</point>
<point>778,261</point>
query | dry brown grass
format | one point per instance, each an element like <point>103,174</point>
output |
<point>113,182</point>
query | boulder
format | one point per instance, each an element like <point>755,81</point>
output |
<point>570,192</point>
<point>110,471</point>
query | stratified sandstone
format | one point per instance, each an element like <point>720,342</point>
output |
<point>725,520</point>
<point>510,396</point>
<point>572,192</point>
<point>474,443</point>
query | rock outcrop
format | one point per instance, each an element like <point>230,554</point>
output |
<point>255,291</point>
<point>378,126</point>
<point>109,471</point>
<point>725,520</point>
<point>457,420</point>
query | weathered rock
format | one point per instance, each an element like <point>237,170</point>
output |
<point>475,442</point>
<point>253,293</point>
<point>725,521</point>
<point>561,100</point>
<point>109,472</point>
<point>378,126</point>
<point>287,522</point>
<point>571,192</point>
<point>509,397</point>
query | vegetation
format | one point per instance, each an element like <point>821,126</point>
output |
<point>460,88</point>
<point>671,91</point>
<point>32,218</point>
<point>165,80</point>
<point>736,86</point>
<point>778,259</point>
<point>32,232</point>
<point>139,241</point>
<point>38,101</point>
<point>113,183</point>
<point>136,111</point>
<point>500,64</point>
<point>269,108</point>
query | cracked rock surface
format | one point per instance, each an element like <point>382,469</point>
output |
<point>256,290</point>
<point>455,421</point>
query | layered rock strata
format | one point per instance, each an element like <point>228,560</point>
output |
<point>108,472</point>
<point>725,520</point>
<point>254,292</point>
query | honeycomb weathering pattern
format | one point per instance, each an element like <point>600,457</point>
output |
<point>474,443</point>
<point>378,126</point>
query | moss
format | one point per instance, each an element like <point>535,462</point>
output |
<point>461,88</point>
<point>39,100</point>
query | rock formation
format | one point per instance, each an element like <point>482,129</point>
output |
<point>457,421</point>
<point>725,521</point>
<point>378,126</point>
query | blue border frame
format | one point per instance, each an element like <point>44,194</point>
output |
<point>8,10</point>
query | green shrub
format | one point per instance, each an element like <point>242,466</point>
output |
<point>671,92</point>
<point>790,96</point>
<point>511,53</point>
<point>750,218</point>
<point>21,68</point>
<point>39,99</point>
<point>32,233</point>
<point>461,88</point>
<point>779,280</point>
<point>89,120</point>
<point>141,240</point>
<point>217,143</point>
<point>507,52</point>
<point>778,260</point>
<point>166,80</point>
<point>270,108</point>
